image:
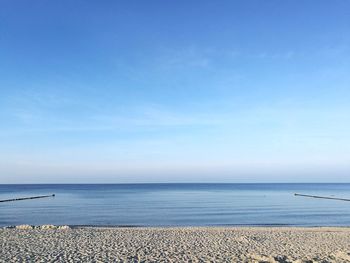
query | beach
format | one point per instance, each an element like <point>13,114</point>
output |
<point>176,244</point>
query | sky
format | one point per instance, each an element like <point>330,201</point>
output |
<point>174,91</point>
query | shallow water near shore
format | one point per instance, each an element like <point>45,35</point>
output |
<point>176,205</point>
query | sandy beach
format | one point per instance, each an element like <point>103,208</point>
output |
<point>192,244</point>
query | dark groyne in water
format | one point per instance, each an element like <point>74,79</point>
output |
<point>323,197</point>
<point>26,198</point>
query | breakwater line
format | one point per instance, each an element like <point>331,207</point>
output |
<point>26,198</point>
<point>323,197</point>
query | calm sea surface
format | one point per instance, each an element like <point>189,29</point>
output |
<point>176,205</point>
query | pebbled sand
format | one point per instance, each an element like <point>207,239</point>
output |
<point>192,244</point>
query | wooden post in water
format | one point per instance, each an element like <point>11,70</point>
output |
<point>26,198</point>
<point>323,197</point>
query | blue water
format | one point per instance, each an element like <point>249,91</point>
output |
<point>176,205</point>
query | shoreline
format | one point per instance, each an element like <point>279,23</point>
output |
<point>177,244</point>
<point>183,226</point>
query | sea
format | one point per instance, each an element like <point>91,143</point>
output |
<point>176,205</point>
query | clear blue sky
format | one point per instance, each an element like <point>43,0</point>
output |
<point>174,91</point>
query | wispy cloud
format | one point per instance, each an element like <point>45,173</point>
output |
<point>140,118</point>
<point>275,55</point>
<point>181,58</point>
<point>335,51</point>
